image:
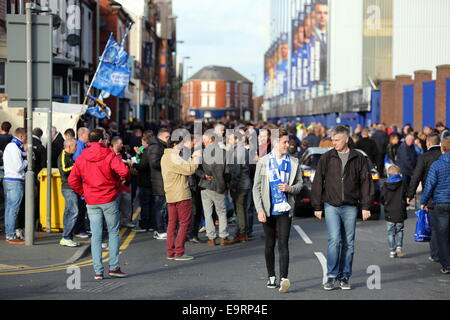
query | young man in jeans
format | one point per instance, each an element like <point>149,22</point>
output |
<point>15,162</point>
<point>65,165</point>
<point>278,179</point>
<point>437,187</point>
<point>98,175</point>
<point>342,181</point>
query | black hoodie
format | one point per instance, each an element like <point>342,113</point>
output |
<point>156,151</point>
<point>393,197</point>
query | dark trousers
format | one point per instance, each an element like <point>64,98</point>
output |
<point>145,200</point>
<point>277,227</point>
<point>441,220</point>
<point>251,212</point>
<point>380,164</point>
<point>240,207</point>
<point>434,252</point>
<point>197,212</point>
<point>179,214</point>
<point>81,225</point>
<point>159,213</point>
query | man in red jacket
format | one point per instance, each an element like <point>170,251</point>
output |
<point>98,176</point>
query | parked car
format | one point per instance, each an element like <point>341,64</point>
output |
<point>309,162</point>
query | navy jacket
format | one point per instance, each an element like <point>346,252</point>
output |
<point>406,159</point>
<point>437,186</point>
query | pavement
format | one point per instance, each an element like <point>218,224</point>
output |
<point>46,252</point>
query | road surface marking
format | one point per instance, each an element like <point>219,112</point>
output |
<point>127,241</point>
<point>323,263</point>
<point>81,264</point>
<point>303,234</point>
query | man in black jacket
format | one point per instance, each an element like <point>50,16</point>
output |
<point>342,181</point>
<point>57,146</point>
<point>381,140</point>
<point>407,158</point>
<point>65,164</point>
<point>39,152</point>
<point>366,144</point>
<point>145,186</point>
<point>159,206</point>
<point>420,176</point>
<point>197,208</point>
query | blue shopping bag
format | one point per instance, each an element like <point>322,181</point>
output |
<point>423,227</point>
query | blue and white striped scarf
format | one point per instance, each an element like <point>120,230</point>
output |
<point>279,174</point>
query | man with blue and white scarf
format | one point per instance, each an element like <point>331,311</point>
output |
<point>15,162</point>
<point>278,178</point>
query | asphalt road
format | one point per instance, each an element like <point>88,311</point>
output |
<point>238,272</point>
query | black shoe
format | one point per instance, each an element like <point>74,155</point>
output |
<point>344,284</point>
<point>272,283</point>
<point>330,285</point>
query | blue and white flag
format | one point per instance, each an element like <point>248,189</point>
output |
<point>114,74</point>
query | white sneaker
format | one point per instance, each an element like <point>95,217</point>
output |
<point>160,236</point>
<point>19,234</point>
<point>68,243</point>
<point>285,284</point>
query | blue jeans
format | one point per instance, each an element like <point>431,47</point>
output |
<point>159,213</point>
<point>341,226</point>
<point>395,235</point>
<point>70,212</point>
<point>110,211</point>
<point>13,191</point>
<point>441,222</point>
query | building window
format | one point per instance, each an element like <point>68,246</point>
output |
<point>228,87</point>
<point>75,92</point>
<point>204,86</point>
<point>245,87</point>
<point>228,100</point>
<point>212,86</point>
<point>204,100</point>
<point>2,77</point>
<point>212,100</point>
<point>57,86</point>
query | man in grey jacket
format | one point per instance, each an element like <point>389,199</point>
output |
<point>278,179</point>
<point>212,173</point>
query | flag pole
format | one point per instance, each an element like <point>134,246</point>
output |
<point>96,71</point>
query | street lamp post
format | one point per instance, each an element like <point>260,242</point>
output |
<point>185,58</point>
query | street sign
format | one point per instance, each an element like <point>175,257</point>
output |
<point>42,82</point>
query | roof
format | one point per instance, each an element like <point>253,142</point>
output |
<point>218,73</point>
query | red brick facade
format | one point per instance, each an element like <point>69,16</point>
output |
<point>225,96</point>
<point>420,77</point>
<point>443,73</point>
<point>392,96</point>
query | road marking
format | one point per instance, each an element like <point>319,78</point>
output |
<point>81,264</point>
<point>136,213</point>
<point>323,263</point>
<point>127,241</point>
<point>303,234</point>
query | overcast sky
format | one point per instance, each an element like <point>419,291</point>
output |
<point>231,33</point>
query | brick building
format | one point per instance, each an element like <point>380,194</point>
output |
<point>216,92</point>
